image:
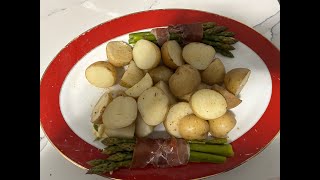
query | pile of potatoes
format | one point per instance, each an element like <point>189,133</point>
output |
<point>187,89</point>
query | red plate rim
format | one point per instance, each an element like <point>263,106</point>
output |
<point>79,152</point>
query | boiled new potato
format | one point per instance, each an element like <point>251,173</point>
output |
<point>131,76</point>
<point>172,54</point>
<point>192,127</point>
<point>121,112</point>
<point>153,105</point>
<point>185,80</point>
<point>208,104</point>
<point>188,96</point>
<point>222,125</point>
<point>146,54</point>
<point>142,85</point>
<point>214,74</point>
<point>235,80</point>
<point>175,114</point>
<point>165,88</point>
<point>125,132</point>
<point>101,74</point>
<point>98,109</point>
<point>160,73</point>
<point>119,53</point>
<point>232,100</point>
<point>198,55</point>
<point>142,129</point>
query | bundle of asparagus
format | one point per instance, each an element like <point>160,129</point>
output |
<point>120,151</point>
<point>214,35</point>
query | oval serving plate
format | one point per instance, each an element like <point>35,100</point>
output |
<point>66,98</point>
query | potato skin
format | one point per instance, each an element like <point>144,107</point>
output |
<point>131,76</point>
<point>160,73</point>
<point>232,100</point>
<point>235,80</point>
<point>167,59</point>
<point>119,53</point>
<point>185,80</point>
<point>221,126</point>
<point>214,74</point>
<point>192,127</point>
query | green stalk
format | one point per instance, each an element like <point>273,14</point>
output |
<point>222,150</point>
<point>209,141</point>
<point>205,157</point>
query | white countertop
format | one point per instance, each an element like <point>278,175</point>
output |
<point>63,20</point>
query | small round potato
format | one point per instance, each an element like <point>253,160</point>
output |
<point>192,127</point>
<point>235,80</point>
<point>221,126</point>
<point>101,74</point>
<point>160,73</point>
<point>146,54</point>
<point>214,74</point>
<point>119,53</point>
<point>172,54</point>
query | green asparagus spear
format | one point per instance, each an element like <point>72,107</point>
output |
<point>205,157</point>
<point>218,45</point>
<point>209,141</point>
<point>97,162</point>
<point>126,163</point>
<point>118,148</point>
<point>226,34</point>
<point>103,168</point>
<point>223,150</point>
<point>224,52</point>
<point>222,39</point>
<point>120,156</point>
<point>215,30</point>
<point>208,25</point>
<point>109,141</point>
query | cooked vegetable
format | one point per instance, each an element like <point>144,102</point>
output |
<point>208,104</point>
<point>222,150</point>
<point>232,100</point>
<point>205,157</point>
<point>131,76</point>
<point>185,80</point>
<point>142,129</point>
<point>96,115</point>
<point>99,131</point>
<point>136,90</point>
<point>101,74</point>
<point>165,88</point>
<point>198,55</point>
<point>188,96</point>
<point>175,114</point>
<point>235,80</point>
<point>126,147</point>
<point>125,132</point>
<point>114,141</point>
<point>192,127</point>
<point>214,74</point>
<point>121,112</point>
<point>172,54</point>
<point>209,141</point>
<point>160,73</point>
<point>146,54</point>
<point>221,126</point>
<point>108,167</point>
<point>153,105</point>
<point>119,53</point>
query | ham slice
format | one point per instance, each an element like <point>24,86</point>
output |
<point>189,32</point>
<point>160,153</point>
<point>162,35</point>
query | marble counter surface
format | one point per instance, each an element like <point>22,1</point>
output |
<point>63,20</point>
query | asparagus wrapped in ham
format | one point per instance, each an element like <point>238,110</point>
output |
<point>159,153</point>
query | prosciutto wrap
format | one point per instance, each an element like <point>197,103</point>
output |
<point>160,153</point>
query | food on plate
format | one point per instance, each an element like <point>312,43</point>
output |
<point>125,132</point>
<point>232,100</point>
<point>235,80</point>
<point>160,73</point>
<point>185,80</point>
<point>121,112</point>
<point>209,141</point>
<point>99,131</point>
<point>136,90</point>
<point>101,74</point>
<point>209,33</point>
<point>214,74</point>
<point>175,114</point>
<point>142,129</point>
<point>192,127</point>
<point>198,55</point>
<point>119,53</point>
<point>222,125</point>
<point>172,54</point>
<point>131,76</point>
<point>165,88</point>
<point>188,96</point>
<point>146,54</point>
<point>98,109</point>
<point>208,104</point>
<point>153,105</point>
<point>160,153</point>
